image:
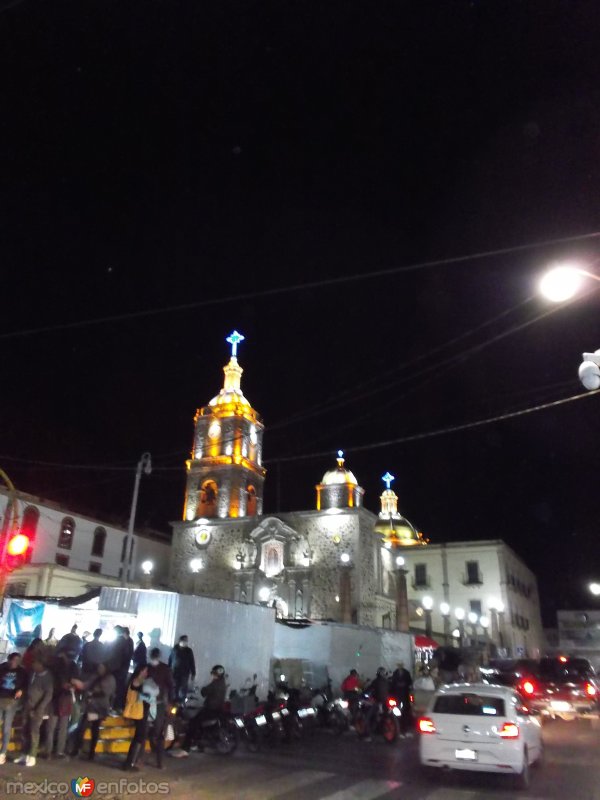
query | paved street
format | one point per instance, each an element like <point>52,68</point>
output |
<point>325,768</point>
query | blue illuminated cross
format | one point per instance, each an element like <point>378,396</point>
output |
<point>387,479</point>
<point>234,340</point>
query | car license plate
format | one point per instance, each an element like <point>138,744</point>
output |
<point>466,755</point>
<point>560,705</point>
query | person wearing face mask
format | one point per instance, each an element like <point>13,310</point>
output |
<point>160,673</point>
<point>183,666</point>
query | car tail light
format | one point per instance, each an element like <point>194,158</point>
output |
<point>426,725</point>
<point>391,702</point>
<point>411,697</point>
<point>509,730</point>
<point>528,687</point>
<point>590,690</point>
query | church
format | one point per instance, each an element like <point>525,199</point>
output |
<point>337,561</point>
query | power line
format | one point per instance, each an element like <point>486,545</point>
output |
<point>441,262</point>
<point>439,432</point>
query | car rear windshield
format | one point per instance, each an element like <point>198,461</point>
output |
<point>469,705</point>
<point>575,669</point>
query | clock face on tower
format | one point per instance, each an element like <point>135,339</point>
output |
<point>202,537</point>
<point>214,430</point>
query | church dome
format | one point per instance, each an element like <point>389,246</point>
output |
<point>339,475</point>
<point>398,530</point>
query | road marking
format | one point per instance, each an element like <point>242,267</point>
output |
<point>291,781</point>
<point>365,790</point>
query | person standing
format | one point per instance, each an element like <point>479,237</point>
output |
<point>92,654</point>
<point>66,680</point>
<point>140,652</point>
<point>162,676</point>
<point>70,644</point>
<point>401,689</point>
<point>37,707</point>
<point>183,666</point>
<point>119,665</point>
<point>13,682</point>
<point>51,640</point>
<point>98,694</point>
<point>147,692</point>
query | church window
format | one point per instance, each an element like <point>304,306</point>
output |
<point>251,501</point>
<point>473,574</point>
<point>272,558</point>
<point>67,531</point>
<point>207,506</point>
<point>99,542</point>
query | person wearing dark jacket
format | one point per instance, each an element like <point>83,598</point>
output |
<point>92,654</point>
<point>401,688</point>
<point>183,665</point>
<point>140,652</point>
<point>66,680</point>
<point>136,748</point>
<point>37,707</point>
<point>70,644</point>
<point>162,676</point>
<point>379,690</point>
<point>98,694</point>
<point>214,699</point>
<point>120,656</point>
<point>13,682</point>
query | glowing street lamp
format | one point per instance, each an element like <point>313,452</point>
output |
<point>427,604</point>
<point>595,589</point>
<point>562,283</point>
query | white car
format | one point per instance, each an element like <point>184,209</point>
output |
<point>482,728</point>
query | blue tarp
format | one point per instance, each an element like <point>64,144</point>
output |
<point>24,622</point>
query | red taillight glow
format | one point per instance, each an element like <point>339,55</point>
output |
<point>509,731</point>
<point>590,690</point>
<point>391,702</point>
<point>528,687</point>
<point>426,725</point>
<point>562,659</point>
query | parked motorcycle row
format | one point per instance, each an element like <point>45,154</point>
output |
<point>287,715</point>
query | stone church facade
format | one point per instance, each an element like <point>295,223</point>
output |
<point>336,562</point>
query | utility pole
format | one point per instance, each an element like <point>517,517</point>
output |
<point>8,526</point>
<point>144,466</point>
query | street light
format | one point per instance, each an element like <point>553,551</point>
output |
<point>427,604</point>
<point>345,558</point>
<point>459,613</point>
<point>563,282</point>
<point>147,567</point>
<point>196,565</point>
<point>144,466</point>
<point>595,589</point>
<point>445,609</point>
<point>264,594</point>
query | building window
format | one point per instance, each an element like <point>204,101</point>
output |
<point>16,589</point>
<point>475,607</point>
<point>94,567</point>
<point>67,530</point>
<point>420,576</point>
<point>207,500</point>
<point>31,518</point>
<point>62,561</point>
<point>473,574</point>
<point>386,621</point>
<point>99,542</point>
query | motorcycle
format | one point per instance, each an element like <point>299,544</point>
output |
<point>297,710</point>
<point>219,733</point>
<point>331,713</point>
<point>386,718</point>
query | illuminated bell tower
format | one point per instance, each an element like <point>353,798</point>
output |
<point>225,476</point>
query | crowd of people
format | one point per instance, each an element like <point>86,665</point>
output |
<point>398,685</point>
<point>62,687</point>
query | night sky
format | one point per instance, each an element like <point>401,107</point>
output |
<point>166,154</point>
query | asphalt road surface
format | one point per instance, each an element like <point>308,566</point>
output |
<point>324,767</point>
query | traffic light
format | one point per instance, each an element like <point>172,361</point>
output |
<point>18,545</point>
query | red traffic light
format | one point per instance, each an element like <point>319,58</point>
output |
<point>18,545</point>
